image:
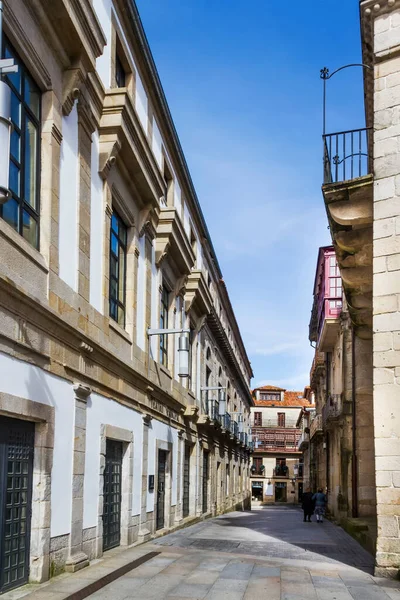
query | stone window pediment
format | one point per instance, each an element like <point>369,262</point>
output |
<point>171,239</point>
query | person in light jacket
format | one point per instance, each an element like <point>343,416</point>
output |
<point>320,502</point>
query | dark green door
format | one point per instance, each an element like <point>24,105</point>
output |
<point>16,469</point>
<point>162,465</point>
<point>186,482</point>
<point>112,495</point>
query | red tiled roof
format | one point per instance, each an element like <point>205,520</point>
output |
<point>270,387</point>
<point>290,398</point>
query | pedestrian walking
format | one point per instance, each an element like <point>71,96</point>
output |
<point>320,502</point>
<point>307,505</point>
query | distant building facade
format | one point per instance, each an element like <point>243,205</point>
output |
<point>277,468</point>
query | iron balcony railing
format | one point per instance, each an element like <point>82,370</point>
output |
<point>281,471</point>
<point>234,428</point>
<point>274,423</point>
<point>347,155</point>
<point>226,421</point>
<point>213,411</point>
<point>316,426</point>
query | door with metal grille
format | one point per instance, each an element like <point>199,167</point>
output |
<point>160,511</point>
<point>112,495</point>
<point>186,482</point>
<point>16,469</point>
<point>205,481</point>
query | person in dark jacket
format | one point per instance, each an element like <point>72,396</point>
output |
<point>320,503</point>
<point>308,505</point>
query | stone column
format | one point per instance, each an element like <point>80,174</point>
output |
<point>86,127</point>
<point>144,530</point>
<point>382,20</point>
<point>77,559</point>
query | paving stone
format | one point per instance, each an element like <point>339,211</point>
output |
<point>237,570</point>
<point>188,590</point>
<point>368,592</point>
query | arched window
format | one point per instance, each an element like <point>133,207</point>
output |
<point>208,354</point>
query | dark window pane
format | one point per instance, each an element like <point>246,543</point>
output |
<point>30,163</point>
<point>14,78</point>
<point>16,145</point>
<point>114,223</point>
<point>15,110</point>
<point>29,228</point>
<point>113,267</point>
<point>114,244</point>
<point>113,310</point>
<point>10,213</point>
<point>32,95</point>
<point>14,178</point>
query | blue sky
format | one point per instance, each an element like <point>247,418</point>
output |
<point>242,82</point>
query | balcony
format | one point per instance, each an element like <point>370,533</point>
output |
<point>276,440</point>
<point>304,441</point>
<point>243,437</point>
<point>334,409</point>
<point>234,429</point>
<point>316,426</point>
<point>257,471</point>
<point>226,421</point>
<point>281,471</point>
<point>277,423</point>
<point>317,367</point>
<point>346,155</point>
<point>348,196</point>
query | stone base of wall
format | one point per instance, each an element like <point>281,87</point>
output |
<point>58,554</point>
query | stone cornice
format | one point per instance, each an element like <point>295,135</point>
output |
<point>197,292</point>
<point>75,23</point>
<point>119,121</point>
<point>171,239</point>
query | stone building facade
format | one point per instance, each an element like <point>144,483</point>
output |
<point>361,193</point>
<point>103,238</point>
<point>277,468</point>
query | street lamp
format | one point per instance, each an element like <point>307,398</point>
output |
<point>183,348</point>
<point>6,66</point>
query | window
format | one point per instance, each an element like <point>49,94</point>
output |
<point>120,75</point>
<point>21,211</point>
<point>257,419</point>
<point>169,182</point>
<point>269,396</point>
<point>117,269</point>
<point>208,354</point>
<point>281,419</point>
<point>164,325</point>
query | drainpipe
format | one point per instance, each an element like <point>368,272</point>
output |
<point>354,473</point>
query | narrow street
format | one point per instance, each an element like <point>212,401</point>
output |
<point>267,553</point>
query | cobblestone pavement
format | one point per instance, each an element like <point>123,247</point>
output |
<point>268,553</point>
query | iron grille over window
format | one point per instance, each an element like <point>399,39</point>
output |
<point>117,269</point>
<point>164,325</point>
<point>22,209</point>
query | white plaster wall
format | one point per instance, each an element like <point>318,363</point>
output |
<point>186,219</point>
<point>141,293</point>
<point>96,228</point>
<point>27,381</point>
<point>178,197</point>
<point>103,62</point>
<point>157,143</point>
<point>103,411</point>
<point>154,319</point>
<point>272,413</point>
<point>68,221</point>
<point>141,102</point>
<point>161,431</point>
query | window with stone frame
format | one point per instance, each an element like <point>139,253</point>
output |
<point>281,419</point>
<point>117,295</point>
<point>22,210</point>
<point>164,308</point>
<point>258,419</point>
